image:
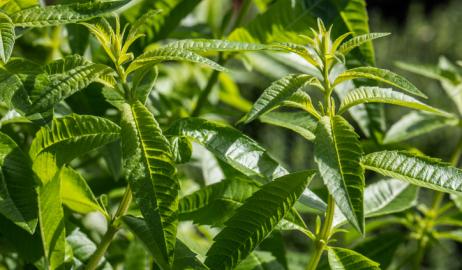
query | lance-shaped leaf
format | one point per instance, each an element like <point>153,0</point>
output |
<point>345,259</point>
<point>82,248</point>
<point>300,122</point>
<point>418,170</point>
<point>54,146</point>
<point>415,124</point>
<point>215,204</point>
<point>372,94</point>
<point>432,72</point>
<point>357,41</point>
<point>76,194</point>
<point>18,199</point>
<point>7,37</point>
<point>209,45</point>
<point>385,197</point>
<point>59,86</point>
<point>261,260</point>
<point>337,153</point>
<point>38,16</point>
<point>151,174</point>
<point>381,75</point>
<point>239,151</point>
<point>11,6</point>
<point>276,93</point>
<point>73,135</point>
<point>184,258</point>
<point>255,220</point>
<point>157,56</point>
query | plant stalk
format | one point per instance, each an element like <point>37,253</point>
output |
<point>323,237</point>
<point>113,228</point>
<point>433,212</point>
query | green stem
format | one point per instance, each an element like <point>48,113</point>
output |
<point>113,228</point>
<point>208,88</point>
<point>432,214</point>
<point>323,237</point>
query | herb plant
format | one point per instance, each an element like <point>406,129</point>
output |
<point>99,166</point>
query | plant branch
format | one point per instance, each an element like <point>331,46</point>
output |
<point>323,237</point>
<point>113,228</point>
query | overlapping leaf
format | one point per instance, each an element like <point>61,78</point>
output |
<point>255,219</point>
<point>337,154</point>
<point>276,93</point>
<point>7,37</point>
<point>374,94</point>
<point>418,170</point>
<point>152,175</point>
<point>357,41</point>
<point>37,16</point>
<point>157,56</point>
<point>300,122</point>
<point>381,75</point>
<point>345,259</point>
<point>415,124</point>
<point>18,199</point>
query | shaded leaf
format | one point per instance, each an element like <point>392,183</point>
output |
<point>345,259</point>
<point>255,219</point>
<point>7,37</point>
<point>300,122</point>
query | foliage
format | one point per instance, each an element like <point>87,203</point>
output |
<point>117,148</point>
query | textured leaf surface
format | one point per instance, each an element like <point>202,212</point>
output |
<point>18,200</point>
<point>216,203</point>
<point>11,6</point>
<point>76,194</point>
<point>255,219</point>
<point>374,94</point>
<point>59,86</point>
<point>345,259</point>
<point>415,124</point>
<point>61,14</point>
<point>71,136</point>
<point>260,260</point>
<point>7,37</point>
<point>276,93</point>
<point>239,151</point>
<point>208,45</point>
<point>300,122</point>
<point>151,174</point>
<point>381,75</point>
<point>154,57</point>
<point>357,41</point>
<point>337,153</point>
<point>418,170</point>
<point>385,197</point>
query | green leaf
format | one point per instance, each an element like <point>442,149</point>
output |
<point>345,259</point>
<point>7,37</point>
<point>38,16</point>
<point>276,93</point>
<point>337,153</point>
<point>381,75</point>
<point>210,45</point>
<point>300,122</point>
<point>418,170</point>
<point>76,194</point>
<point>255,219</point>
<point>239,151</point>
<point>186,259</point>
<point>11,6</point>
<point>181,149</point>
<point>73,135</point>
<point>385,197</point>
<point>18,200</point>
<point>260,260</point>
<point>144,233</point>
<point>357,41</point>
<point>415,124</point>
<point>159,27</point>
<point>432,72</point>
<point>58,86</point>
<point>136,256</point>
<point>82,248</point>
<point>151,174</point>
<point>215,204</point>
<point>455,235</point>
<point>372,94</point>
<point>154,57</point>
<point>355,17</point>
